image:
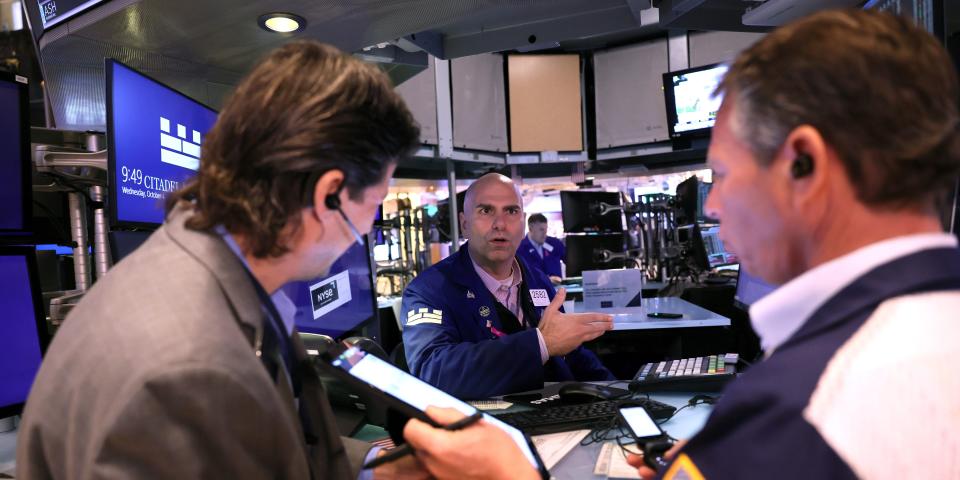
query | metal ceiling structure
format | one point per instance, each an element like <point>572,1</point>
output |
<point>203,47</point>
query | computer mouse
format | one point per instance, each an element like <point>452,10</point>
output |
<point>574,393</point>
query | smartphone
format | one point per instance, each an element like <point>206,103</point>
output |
<point>639,423</point>
<point>409,395</point>
<point>664,315</point>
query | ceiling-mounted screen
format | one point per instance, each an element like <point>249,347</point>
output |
<point>691,105</point>
<point>53,12</point>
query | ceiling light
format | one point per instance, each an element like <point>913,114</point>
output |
<point>282,22</point>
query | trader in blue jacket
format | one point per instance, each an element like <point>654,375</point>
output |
<point>482,322</point>
<point>541,251</point>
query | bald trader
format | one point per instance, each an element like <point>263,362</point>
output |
<point>482,322</point>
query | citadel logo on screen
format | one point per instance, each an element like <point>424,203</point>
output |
<point>179,150</point>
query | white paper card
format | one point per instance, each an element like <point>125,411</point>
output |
<point>554,446</point>
<point>613,290</point>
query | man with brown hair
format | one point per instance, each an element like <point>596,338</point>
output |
<point>836,140</point>
<point>177,363</point>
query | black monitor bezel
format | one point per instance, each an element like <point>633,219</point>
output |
<point>115,222</point>
<point>43,334</point>
<point>670,102</point>
<point>26,172</point>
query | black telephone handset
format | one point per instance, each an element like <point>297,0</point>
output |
<point>653,453</point>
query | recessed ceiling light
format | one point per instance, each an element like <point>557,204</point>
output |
<point>282,22</point>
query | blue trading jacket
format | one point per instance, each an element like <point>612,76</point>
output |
<point>553,253</point>
<point>451,336</point>
<point>759,428</point>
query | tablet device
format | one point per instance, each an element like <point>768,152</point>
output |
<point>409,395</point>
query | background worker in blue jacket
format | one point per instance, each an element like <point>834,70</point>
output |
<point>482,322</point>
<point>541,251</point>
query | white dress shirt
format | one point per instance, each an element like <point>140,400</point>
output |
<point>780,314</point>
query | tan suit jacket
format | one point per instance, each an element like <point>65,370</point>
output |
<point>154,375</point>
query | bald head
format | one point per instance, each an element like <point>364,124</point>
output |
<point>492,219</point>
<point>489,181</point>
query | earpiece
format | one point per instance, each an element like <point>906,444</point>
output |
<point>801,166</point>
<point>332,201</point>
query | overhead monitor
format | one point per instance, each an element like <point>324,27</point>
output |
<point>15,172</point>
<point>23,330</point>
<point>339,302</point>
<point>691,105</point>
<point>154,135</point>
<point>588,252</point>
<point>53,12</point>
<point>750,289</point>
<point>591,212</point>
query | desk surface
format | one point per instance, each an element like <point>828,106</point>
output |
<point>579,463</point>
<point>693,316</point>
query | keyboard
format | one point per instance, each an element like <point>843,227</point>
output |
<point>562,418</point>
<point>697,374</point>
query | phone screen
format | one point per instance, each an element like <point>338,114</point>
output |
<point>416,392</point>
<point>640,422</point>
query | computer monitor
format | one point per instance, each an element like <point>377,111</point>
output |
<point>124,243</point>
<point>750,289</point>
<point>717,255</point>
<point>694,250</point>
<point>691,105</point>
<point>690,198</point>
<point>339,302</point>
<point>15,183</point>
<point>23,331</point>
<point>928,14</point>
<point>583,212</point>
<point>586,252</point>
<point>154,135</point>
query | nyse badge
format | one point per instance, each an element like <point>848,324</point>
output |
<point>470,294</point>
<point>484,311</point>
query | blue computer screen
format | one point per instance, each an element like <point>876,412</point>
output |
<point>155,134</point>
<point>750,288</point>
<point>11,157</point>
<point>337,302</point>
<point>21,345</point>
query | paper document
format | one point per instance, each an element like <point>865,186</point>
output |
<point>490,404</point>
<point>612,462</point>
<point>554,446</point>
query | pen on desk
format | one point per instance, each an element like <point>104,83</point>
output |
<point>406,449</point>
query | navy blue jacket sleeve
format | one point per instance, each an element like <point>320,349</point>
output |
<point>438,353</point>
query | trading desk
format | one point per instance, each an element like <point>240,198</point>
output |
<point>579,463</point>
<point>693,316</point>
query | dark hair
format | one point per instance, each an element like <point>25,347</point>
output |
<point>536,218</point>
<point>306,109</point>
<point>881,91</point>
